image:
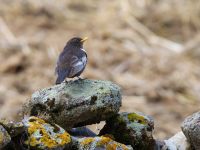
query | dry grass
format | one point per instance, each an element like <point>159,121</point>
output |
<point>150,48</point>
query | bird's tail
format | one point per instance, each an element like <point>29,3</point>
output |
<point>61,76</point>
<point>58,80</point>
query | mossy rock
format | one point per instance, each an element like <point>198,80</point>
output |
<point>76,103</point>
<point>4,137</point>
<point>191,129</point>
<point>45,136</point>
<point>133,129</point>
<point>13,128</point>
<point>99,143</point>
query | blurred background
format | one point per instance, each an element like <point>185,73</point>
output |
<point>151,48</point>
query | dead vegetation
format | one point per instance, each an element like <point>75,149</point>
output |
<point>150,48</point>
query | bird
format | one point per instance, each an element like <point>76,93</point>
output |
<point>72,60</point>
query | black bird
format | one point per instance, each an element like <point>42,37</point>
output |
<point>72,60</point>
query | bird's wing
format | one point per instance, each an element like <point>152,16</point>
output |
<point>70,66</point>
<point>63,66</point>
<point>77,65</point>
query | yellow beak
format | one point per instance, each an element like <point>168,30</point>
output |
<point>84,39</point>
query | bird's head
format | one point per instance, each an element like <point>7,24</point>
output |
<point>77,42</point>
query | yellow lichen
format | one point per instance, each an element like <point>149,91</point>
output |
<point>110,144</point>
<point>65,138</point>
<point>115,145</point>
<point>48,141</point>
<point>37,126</point>
<point>103,141</point>
<point>136,117</point>
<point>109,136</point>
<point>32,141</point>
<point>87,141</point>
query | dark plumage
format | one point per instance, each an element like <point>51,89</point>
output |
<point>72,60</point>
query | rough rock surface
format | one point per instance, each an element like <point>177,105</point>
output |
<point>133,129</point>
<point>4,137</point>
<point>13,128</point>
<point>191,129</point>
<point>177,142</point>
<point>77,103</point>
<point>82,131</point>
<point>42,135</point>
<point>98,143</point>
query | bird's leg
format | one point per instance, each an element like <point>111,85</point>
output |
<point>79,78</point>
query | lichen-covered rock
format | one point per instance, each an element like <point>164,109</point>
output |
<point>77,103</point>
<point>133,129</point>
<point>99,143</point>
<point>191,129</point>
<point>42,135</point>
<point>4,137</point>
<point>177,142</point>
<point>13,128</point>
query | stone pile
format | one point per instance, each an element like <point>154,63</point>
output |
<point>55,119</point>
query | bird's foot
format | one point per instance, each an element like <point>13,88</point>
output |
<point>79,78</point>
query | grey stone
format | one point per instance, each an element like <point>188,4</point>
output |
<point>133,129</point>
<point>13,128</point>
<point>76,103</point>
<point>45,136</point>
<point>98,143</point>
<point>191,129</point>
<point>4,137</point>
<point>177,142</point>
<point>160,145</point>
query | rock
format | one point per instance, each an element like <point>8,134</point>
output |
<point>82,131</point>
<point>13,128</point>
<point>4,137</point>
<point>160,145</point>
<point>191,129</point>
<point>177,142</point>
<point>45,136</point>
<point>77,103</point>
<point>133,129</point>
<point>98,143</point>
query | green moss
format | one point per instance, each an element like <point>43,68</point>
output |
<point>120,120</point>
<point>133,117</point>
<point>85,88</point>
